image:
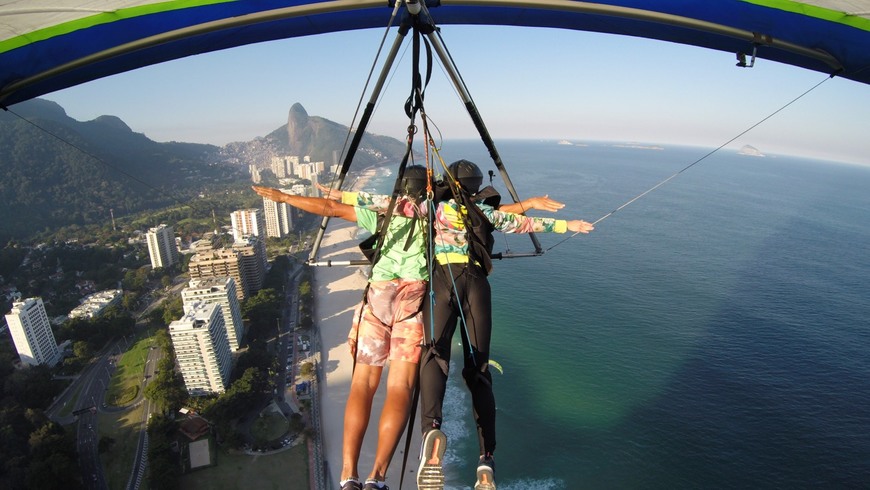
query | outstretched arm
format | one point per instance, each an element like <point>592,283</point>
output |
<point>520,223</point>
<point>542,203</point>
<point>315,205</point>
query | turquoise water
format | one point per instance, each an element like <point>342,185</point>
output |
<point>712,334</point>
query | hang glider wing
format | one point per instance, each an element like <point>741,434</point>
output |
<point>48,45</point>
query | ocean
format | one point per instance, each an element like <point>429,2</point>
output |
<point>711,334</point>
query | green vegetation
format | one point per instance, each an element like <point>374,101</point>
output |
<point>34,452</point>
<point>269,426</point>
<point>87,201</point>
<point>119,436</point>
<point>282,470</point>
<point>164,469</point>
<point>62,273</point>
<point>127,379</point>
<point>109,168</point>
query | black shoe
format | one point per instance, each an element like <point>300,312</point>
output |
<point>351,485</point>
<point>430,475</point>
<point>373,485</point>
<point>485,474</point>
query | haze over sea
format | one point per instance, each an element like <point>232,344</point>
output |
<point>712,334</point>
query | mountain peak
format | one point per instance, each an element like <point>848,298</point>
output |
<point>298,110</point>
<point>297,123</point>
<point>115,122</point>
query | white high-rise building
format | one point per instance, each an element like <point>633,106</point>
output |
<point>305,170</point>
<point>202,350</point>
<point>248,222</point>
<point>279,217</point>
<point>162,247</point>
<point>31,332</point>
<point>253,263</point>
<point>255,174</point>
<point>222,291</point>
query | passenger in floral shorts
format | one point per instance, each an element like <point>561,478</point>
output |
<point>390,326</point>
<point>392,323</point>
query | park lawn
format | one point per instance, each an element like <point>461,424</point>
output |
<point>284,470</point>
<point>269,426</point>
<point>127,379</point>
<point>124,427</point>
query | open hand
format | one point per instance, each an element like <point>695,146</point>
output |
<point>268,193</point>
<point>580,226</point>
<point>329,193</point>
<point>543,203</point>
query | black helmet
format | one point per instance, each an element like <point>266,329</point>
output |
<point>468,174</point>
<point>414,181</point>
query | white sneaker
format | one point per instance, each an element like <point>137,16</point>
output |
<point>430,475</point>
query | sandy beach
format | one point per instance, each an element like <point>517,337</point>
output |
<point>337,291</point>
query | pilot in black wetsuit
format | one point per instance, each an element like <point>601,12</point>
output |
<point>462,297</point>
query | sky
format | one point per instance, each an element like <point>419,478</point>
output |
<point>531,83</point>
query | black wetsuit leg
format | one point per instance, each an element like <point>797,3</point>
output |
<point>477,306</point>
<point>439,323</point>
<point>473,291</point>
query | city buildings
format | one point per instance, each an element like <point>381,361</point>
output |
<point>31,333</point>
<point>284,166</point>
<point>253,262</point>
<point>255,174</point>
<point>278,216</point>
<point>219,263</point>
<point>245,262</point>
<point>202,349</point>
<point>161,246</point>
<point>248,222</point>
<point>94,304</point>
<point>221,291</point>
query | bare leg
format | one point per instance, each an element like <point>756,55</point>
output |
<point>363,386</point>
<point>394,417</point>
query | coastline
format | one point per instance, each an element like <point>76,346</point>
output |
<point>337,290</point>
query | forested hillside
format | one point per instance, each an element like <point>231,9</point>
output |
<point>59,171</point>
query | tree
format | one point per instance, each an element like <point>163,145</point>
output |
<point>130,301</point>
<point>57,471</point>
<point>162,340</point>
<point>82,349</point>
<point>32,387</point>
<point>155,317</point>
<point>258,359</point>
<point>105,444</point>
<point>164,468</point>
<point>136,279</point>
<point>43,440</point>
<point>173,309</point>
<point>307,369</point>
<point>166,390</point>
<point>262,310</point>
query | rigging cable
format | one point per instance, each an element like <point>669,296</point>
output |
<point>687,167</point>
<point>355,142</point>
<point>345,146</point>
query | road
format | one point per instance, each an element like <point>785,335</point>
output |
<point>89,390</point>
<point>91,386</point>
